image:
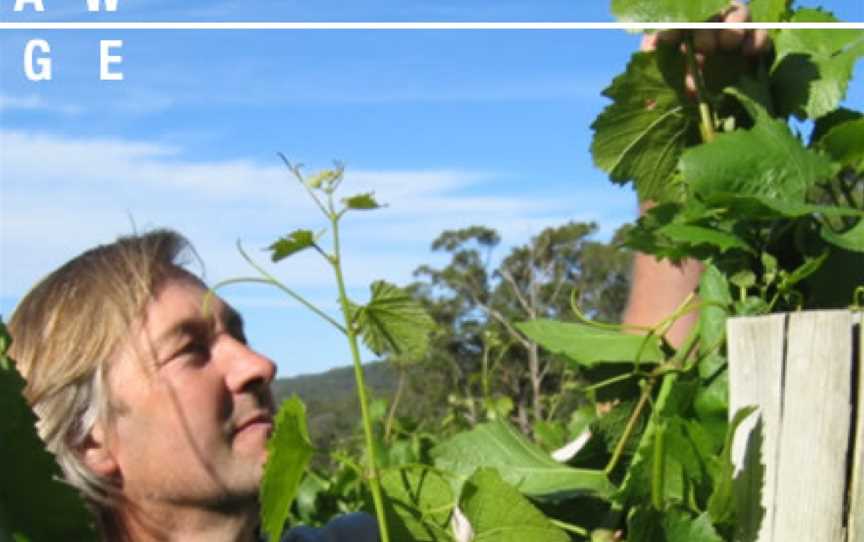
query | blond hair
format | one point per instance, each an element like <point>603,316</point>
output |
<point>65,331</point>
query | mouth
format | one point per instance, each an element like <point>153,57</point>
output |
<point>259,421</point>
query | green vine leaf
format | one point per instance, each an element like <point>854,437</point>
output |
<point>835,118</point>
<point>765,208</point>
<point>766,161</point>
<point>418,502</point>
<point>291,244</point>
<point>289,451</point>
<point>845,143</point>
<point>852,239</point>
<point>674,399</point>
<point>711,405</point>
<point>498,513</point>
<point>521,463</point>
<point>310,490</point>
<point>362,202</point>
<point>769,11</point>
<point>683,527</point>
<point>640,136</point>
<point>34,503</point>
<point>721,505</point>
<point>813,67</point>
<point>664,11</point>
<point>700,235</point>
<point>324,177</point>
<point>393,322</point>
<point>743,279</point>
<point>586,345</point>
<point>674,525</point>
<point>716,299</point>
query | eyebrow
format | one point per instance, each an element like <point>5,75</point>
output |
<point>197,324</point>
<point>233,319</point>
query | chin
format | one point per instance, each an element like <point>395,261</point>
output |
<point>252,443</point>
<point>237,499</point>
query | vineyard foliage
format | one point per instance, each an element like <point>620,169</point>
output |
<point>759,176</point>
<point>769,212</point>
<point>34,504</point>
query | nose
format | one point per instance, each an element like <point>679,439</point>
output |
<point>248,368</point>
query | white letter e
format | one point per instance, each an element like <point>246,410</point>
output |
<point>106,59</point>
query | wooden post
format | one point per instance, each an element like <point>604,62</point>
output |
<point>799,456</point>
<point>856,488</point>
<point>757,439</point>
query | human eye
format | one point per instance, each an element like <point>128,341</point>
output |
<point>195,349</point>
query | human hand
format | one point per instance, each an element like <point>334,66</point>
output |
<point>658,287</point>
<point>750,43</point>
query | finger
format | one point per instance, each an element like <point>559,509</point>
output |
<point>690,77</point>
<point>699,56</point>
<point>756,43</point>
<point>649,42</point>
<point>730,39</point>
<point>690,84</point>
<point>670,37</point>
<point>761,41</point>
<point>704,41</point>
<point>736,6</point>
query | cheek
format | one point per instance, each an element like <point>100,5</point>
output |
<point>174,421</point>
<point>170,452</point>
<point>199,400</point>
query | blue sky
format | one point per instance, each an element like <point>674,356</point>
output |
<point>451,128</point>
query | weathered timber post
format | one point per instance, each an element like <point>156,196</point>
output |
<point>800,457</point>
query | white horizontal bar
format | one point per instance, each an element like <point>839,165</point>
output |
<point>410,26</point>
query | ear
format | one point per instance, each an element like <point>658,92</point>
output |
<point>97,455</point>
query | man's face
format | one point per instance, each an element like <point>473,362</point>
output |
<point>192,402</point>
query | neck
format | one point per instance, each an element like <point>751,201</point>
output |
<point>160,522</point>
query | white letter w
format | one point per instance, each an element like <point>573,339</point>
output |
<point>94,5</point>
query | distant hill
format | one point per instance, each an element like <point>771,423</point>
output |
<point>336,383</point>
<point>331,398</point>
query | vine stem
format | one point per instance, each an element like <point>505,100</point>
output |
<point>609,381</point>
<point>628,429</point>
<point>296,171</point>
<point>371,466</point>
<point>394,405</point>
<point>658,468</point>
<point>858,298</point>
<point>706,126</point>
<point>847,193</point>
<point>569,527</point>
<point>583,318</point>
<point>687,349</point>
<point>270,279</point>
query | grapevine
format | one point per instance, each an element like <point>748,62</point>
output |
<point>775,217</point>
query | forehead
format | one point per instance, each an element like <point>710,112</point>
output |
<point>181,297</point>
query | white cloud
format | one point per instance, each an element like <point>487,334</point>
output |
<point>61,195</point>
<point>34,102</point>
<point>141,103</point>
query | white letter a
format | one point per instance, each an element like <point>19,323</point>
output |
<point>37,5</point>
<point>94,5</point>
